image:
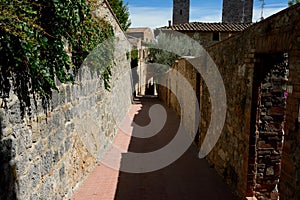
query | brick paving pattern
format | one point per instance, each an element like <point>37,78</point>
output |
<point>187,178</point>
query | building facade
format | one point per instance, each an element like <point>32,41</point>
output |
<point>145,34</point>
<point>206,34</point>
<point>141,73</point>
<point>234,11</point>
<point>181,11</point>
<point>236,16</point>
<point>237,11</point>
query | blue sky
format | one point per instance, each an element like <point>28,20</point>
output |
<point>156,13</point>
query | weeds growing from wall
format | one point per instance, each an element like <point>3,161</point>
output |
<point>41,40</point>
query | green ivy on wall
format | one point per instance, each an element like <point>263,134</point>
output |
<point>33,39</point>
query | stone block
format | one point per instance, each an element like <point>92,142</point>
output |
<point>23,188</point>
<point>264,152</point>
<point>68,115</point>
<point>34,195</point>
<point>62,97</point>
<point>260,175</point>
<point>56,157</point>
<point>277,111</point>
<point>46,162</point>
<point>62,150</point>
<point>14,116</point>
<point>45,189</point>
<point>263,145</point>
<point>55,99</point>
<point>35,174</point>
<point>39,147</point>
<point>222,154</point>
<point>67,144</point>
<point>4,122</point>
<point>56,120</point>
<point>270,171</point>
<point>25,140</point>
<point>62,173</point>
<point>68,94</point>
<point>22,164</point>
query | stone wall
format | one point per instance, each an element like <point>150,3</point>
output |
<point>47,155</point>
<point>237,11</point>
<point>249,53</point>
<point>290,173</point>
<point>206,38</point>
<point>173,90</point>
<point>181,11</point>
<point>271,81</point>
<point>227,157</point>
<point>145,34</point>
<point>239,155</point>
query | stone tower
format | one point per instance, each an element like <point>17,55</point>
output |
<point>181,11</point>
<point>237,11</point>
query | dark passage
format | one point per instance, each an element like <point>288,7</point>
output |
<point>187,178</point>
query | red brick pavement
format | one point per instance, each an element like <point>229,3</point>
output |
<point>187,178</point>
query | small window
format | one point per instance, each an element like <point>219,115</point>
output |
<point>216,36</point>
<point>180,12</point>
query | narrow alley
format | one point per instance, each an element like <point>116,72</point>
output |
<point>187,178</point>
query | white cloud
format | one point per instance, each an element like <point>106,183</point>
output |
<point>150,16</point>
<point>207,14</point>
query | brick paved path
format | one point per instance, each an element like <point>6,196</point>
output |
<point>188,178</point>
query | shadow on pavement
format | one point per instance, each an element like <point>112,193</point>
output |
<point>187,178</point>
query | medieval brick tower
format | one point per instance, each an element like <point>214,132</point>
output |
<point>237,11</point>
<point>181,11</point>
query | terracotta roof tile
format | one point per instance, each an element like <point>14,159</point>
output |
<point>211,27</point>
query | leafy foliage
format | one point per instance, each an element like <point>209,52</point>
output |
<point>33,39</point>
<point>101,59</point>
<point>293,2</point>
<point>134,54</point>
<point>168,47</point>
<point>121,12</point>
<point>134,58</point>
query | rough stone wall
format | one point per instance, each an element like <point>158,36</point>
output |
<point>181,11</point>
<point>167,95</point>
<point>142,80</point>
<point>236,154</point>
<point>277,34</point>
<point>206,38</point>
<point>46,155</point>
<point>290,173</point>
<point>136,34</point>
<point>148,35</point>
<point>145,34</point>
<point>237,11</point>
<point>272,94</point>
<point>231,163</point>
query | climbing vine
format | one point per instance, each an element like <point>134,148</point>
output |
<point>34,35</point>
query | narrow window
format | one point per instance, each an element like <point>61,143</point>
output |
<point>216,36</point>
<point>180,12</point>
